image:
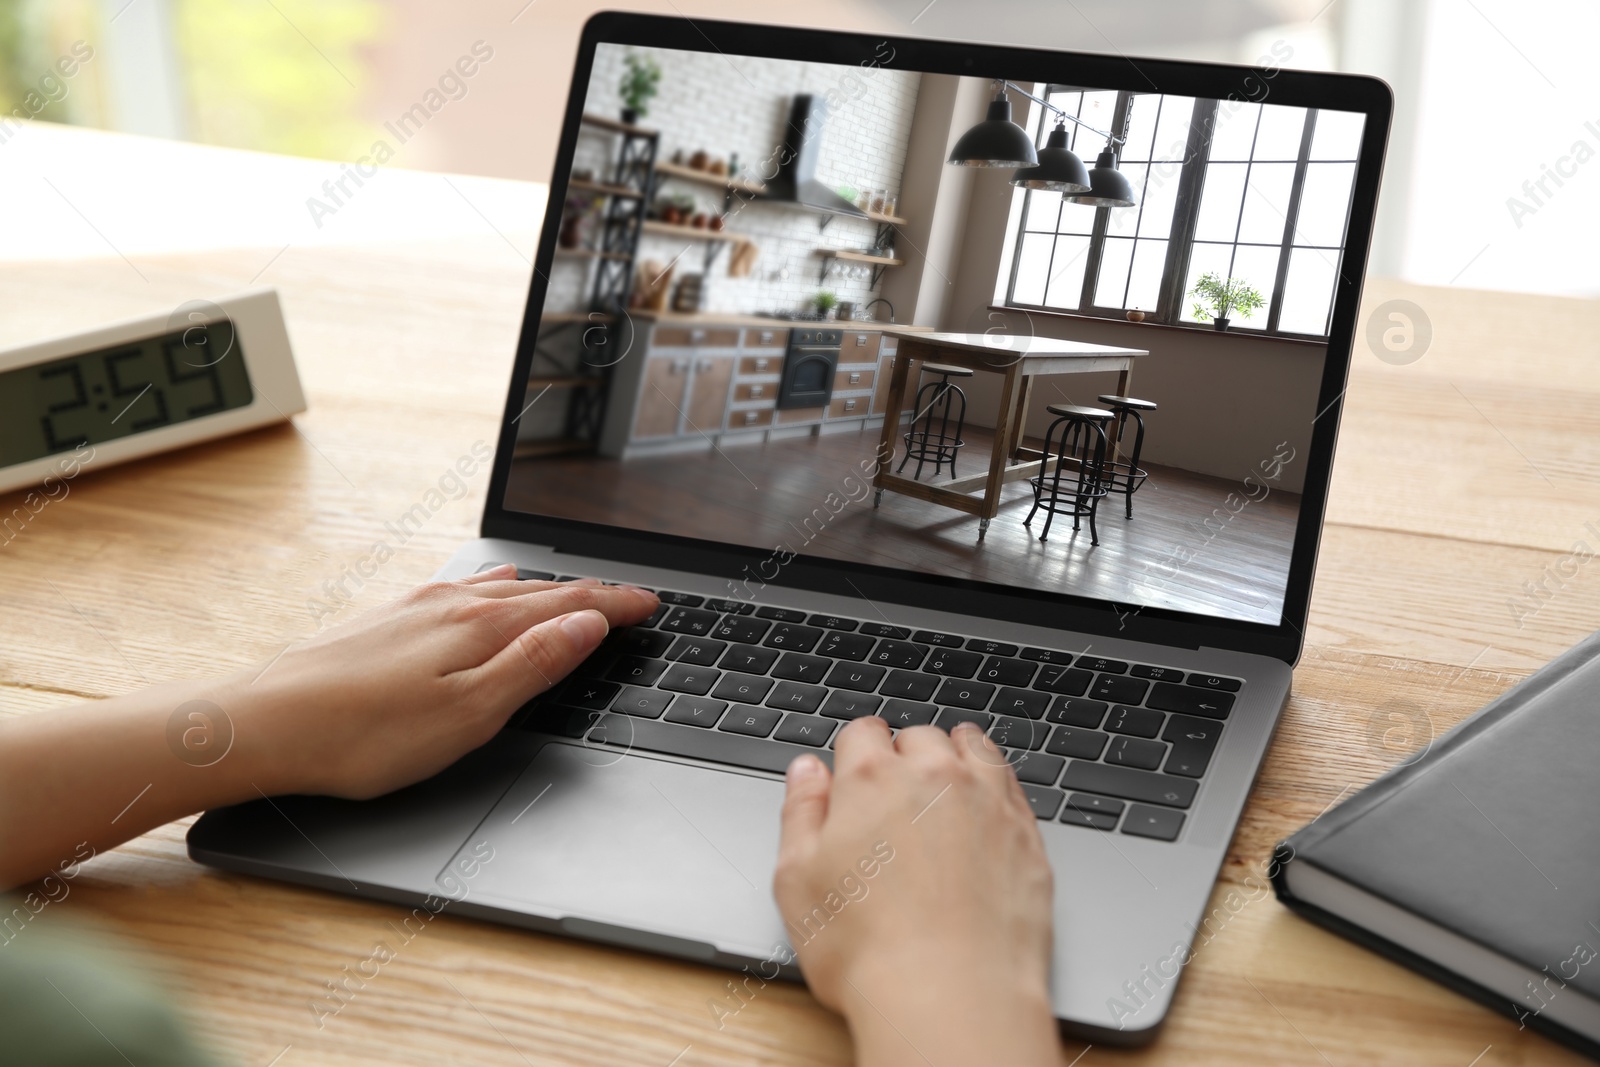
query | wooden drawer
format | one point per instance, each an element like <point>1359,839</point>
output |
<point>844,407</point>
<point>751,365</point>
<point>846,380</point>
<point>750,419</point>
<point>794,415</point>
<point>694,337</point>
<point>755,391</point>
<point>860,346</point>
<point>762,337</point>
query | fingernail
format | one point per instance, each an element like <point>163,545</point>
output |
<point>640,590</point>
<point>802,768</point>
<point>965,727</point>
<point>585,627</point>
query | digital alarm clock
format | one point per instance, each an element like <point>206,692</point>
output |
<point>144,386</point>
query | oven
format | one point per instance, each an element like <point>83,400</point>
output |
<point>809,364</point>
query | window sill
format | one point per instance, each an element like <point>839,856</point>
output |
<point>1077,316</point>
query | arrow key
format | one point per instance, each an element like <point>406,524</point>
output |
<point>1190,700</point>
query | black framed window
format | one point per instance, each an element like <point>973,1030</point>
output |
<point>1253,191</point>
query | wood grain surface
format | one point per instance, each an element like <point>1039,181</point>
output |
<point>1461,477</point>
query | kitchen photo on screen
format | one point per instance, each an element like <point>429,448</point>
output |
<point>1091,369</point>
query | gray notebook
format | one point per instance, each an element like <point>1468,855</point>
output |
<point>1479,863</point>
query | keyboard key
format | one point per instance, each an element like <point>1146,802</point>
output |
<point>574,578</point>
<point>1162,824</point>
<point>796,696</point>
<point>1076,742</point>
<point>1009,731</point>
<point>685,600</point>
<point>651,735</point>
<point>730,607</point>
<point>843,705</point>
<point>645,703</point>
<point>749,660</point>
<point>883,629</point>
<point>651,644</point>
<point>797,668</point>
<point>1103,665</point>
<point>991,648</point>
<point>1156,674</point>
<point>793,637</point>
<point>1191,700</point>
<point>751,721</point>
<point>974,696</point>
<point>953,663</point>
<point>861,677</point>
<point>1027,702</point>
<point>909,684</point>
<point>743,688</point>
<point>1095,820</point>
<point>589,694</point>
<point>1193,742</point>
<point>687,678</point>
<point>1035,767</point>
<point>656,616</point>
<point>1048,655</point>
<point>948,718</point>
<point>1140,722</point>
<point>746,631</point>
<point>805,730</point>
<point>1087,802</point>
<point>1119,690</point>
<point>698,650</point>
<point>845,646</point>
<point>1002,671</point>
<point>833,622</point>
<point>696,711</point>
<point>781,614</point>
<point>1077,711</point>
<point>1068,680</point>
<point>1230,685</point>
<point>902,713</point>
<point>898,654</point>
<point>634,670</point>
<point>1130,784</point>
<point>690,621</point>
<point>1132,752</point>
<point>1044,802</point>
<point>934,637</point>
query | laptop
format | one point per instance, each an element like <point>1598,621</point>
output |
<point>688,414</point>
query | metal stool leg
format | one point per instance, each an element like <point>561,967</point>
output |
<point>1038,485</point>
<point>1133,462</point>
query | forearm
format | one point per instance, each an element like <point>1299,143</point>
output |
<point>105,772</point>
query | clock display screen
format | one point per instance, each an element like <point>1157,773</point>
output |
<point>127,389</point>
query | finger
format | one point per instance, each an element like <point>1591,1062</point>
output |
<point>862,740</point>
<point>977,747</point>
<point>805,806</point>
<point>622,605</point>
<point>499,572</point>
<point>924,741</point>
<point>521,586</point>
<point>540,656</point>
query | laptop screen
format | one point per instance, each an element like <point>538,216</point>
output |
<point>1075,334</point>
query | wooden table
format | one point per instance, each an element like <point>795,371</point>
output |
<point>204,561</point>
<point>1017,361</point>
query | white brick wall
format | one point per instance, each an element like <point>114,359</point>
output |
<point>738,105</point>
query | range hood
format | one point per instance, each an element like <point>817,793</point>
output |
<point>796,181</point>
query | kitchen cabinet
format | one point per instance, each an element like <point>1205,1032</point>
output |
<point>661,396</point>
<point>708,394</point>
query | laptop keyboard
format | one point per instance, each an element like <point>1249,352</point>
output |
<point>1099,743</point>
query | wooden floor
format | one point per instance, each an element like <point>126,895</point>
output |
<point>1181,550</point>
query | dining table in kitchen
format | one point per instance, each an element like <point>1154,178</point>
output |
<point>1018,361</point>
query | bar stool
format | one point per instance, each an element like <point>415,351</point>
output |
<point>949,403</point>
<point>1126,478</point>
<point>1081,441</point>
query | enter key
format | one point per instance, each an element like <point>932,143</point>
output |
<point>1193,741</point>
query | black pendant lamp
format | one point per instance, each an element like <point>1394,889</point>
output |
<point>1059,170</point>
<point>1108,187</point>
<point>996,141</point>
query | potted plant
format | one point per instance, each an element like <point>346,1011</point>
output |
<point>825,302</point>
<point>638,86</point>
<point>1221,297</point>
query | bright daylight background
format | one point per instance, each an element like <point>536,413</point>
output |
<point>1492,94</point>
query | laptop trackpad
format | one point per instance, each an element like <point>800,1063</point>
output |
<point>592,836</point>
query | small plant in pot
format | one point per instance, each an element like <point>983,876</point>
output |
<point>638,88</point>
<point>825,302</point>
<point>1219,297</point>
